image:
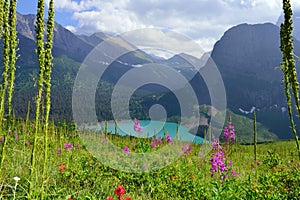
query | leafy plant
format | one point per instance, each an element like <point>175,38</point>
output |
<point>288,65</point>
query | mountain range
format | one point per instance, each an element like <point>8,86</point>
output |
<point>247,56</point>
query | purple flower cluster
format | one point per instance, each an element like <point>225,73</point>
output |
<point>58,151</point>
<point>229,135</point>
<point>218,160</point>
<point>156,142</point>
<point>153,144</point>
<point>169,138</point>
<point>219,164</point>
<point>126,149</point>
<point>186,148</point>
<point>137,126</point>
<point>68,146</point>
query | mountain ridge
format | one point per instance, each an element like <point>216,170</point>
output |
<point>240,54</point>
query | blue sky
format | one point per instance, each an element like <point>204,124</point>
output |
<point>64,18</point>
<point>204,21</point>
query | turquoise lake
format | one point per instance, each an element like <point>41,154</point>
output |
<point>154,129</point>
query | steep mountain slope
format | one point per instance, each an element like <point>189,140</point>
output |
<point>248,57</point>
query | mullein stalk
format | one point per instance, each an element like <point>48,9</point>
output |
<point>28,113</point>
<point>289,52</point>
<point>13,51</point>
<point>4,77</point>
<point>1,17</point>
<point>255,136</point>
<point>6,38</point>
<point>116,127</point>
<point>288,66</point>
<point>47,80</point>
<point>41,59</point>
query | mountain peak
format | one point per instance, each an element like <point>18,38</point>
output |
<point>248,57</point>
<point>26,25</point>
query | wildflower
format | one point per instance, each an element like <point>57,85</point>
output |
<point>216,146</point>
<point>104,139</point>
<point>169,138</point>
<point>218,160</point>
<point>224,177</point>
<point>78,146</point>
<point>190,148</point>
<point>27,143</point>
<point>109,198</point>
<point>68,146</point>
<point>120,191</point>
<point>137,126</point>
<point>158,141</point>
<point>2,139</point>
<point>200,155</point>
<point>233,173</point>
<point>127,198</point>
<point>16,178</point>
<point>229,134</point>
<point>16,136</point>
<point>61,167</point>
<point>230,163</point>
<point>58,151</point>
<point>153,144</point>
<point>126,149</point>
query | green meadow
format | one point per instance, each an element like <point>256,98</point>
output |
<point>76,173</point>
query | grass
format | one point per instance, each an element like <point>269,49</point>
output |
<point>76,173</point>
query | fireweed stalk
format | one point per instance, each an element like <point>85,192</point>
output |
<point>229,135</point>
<point>217,161</point>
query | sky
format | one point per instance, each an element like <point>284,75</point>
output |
<point>204,21</point>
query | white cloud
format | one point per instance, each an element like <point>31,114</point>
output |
<point>205,21</point>
<point>68,5</point>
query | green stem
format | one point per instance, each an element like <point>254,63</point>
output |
<point>288,96</point>
<point>28,113</point>
<point>3,154</point>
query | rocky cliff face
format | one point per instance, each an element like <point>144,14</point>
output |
<point>248,57</point>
